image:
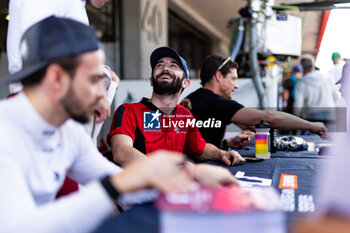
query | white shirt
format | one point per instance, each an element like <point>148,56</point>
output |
<point>35,158</point>
<point>24,13</point>
<point>315,92</point>
<point>336,73</point>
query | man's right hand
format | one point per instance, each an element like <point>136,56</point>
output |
<point>213,176</point>
<point>241,139</point>
<point>158,170</point>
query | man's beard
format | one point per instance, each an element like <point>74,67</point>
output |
<point>73,107</point>
<point>164,87</point>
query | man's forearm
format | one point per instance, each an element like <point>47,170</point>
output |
<point>285,121</point>
<point>125,154</point>
<point>211,152</point>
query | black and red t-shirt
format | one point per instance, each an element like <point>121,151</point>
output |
<point>151,130</point>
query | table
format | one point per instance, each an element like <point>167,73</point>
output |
<point>304,164</point>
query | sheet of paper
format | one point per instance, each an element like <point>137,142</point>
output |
<point>250,181</point>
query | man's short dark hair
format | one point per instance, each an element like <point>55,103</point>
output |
<point>211,65</point>
<point>69,64</point>
<point>307,62</point>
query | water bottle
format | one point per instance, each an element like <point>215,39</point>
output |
<point>262,140</point>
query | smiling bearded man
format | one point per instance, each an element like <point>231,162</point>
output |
<point>159,122</point>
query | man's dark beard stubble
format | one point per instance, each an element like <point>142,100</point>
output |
<point>70,104</point>
<point>166,88</point>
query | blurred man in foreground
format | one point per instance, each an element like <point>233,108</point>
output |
<point>42,141</point>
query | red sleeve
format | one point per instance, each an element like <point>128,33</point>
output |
<point>195,143</point>
<point>124,122</point>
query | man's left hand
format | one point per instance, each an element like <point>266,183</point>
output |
<point>232,158</point>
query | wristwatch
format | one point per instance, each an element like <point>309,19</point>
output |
<point>224,145</point>
<point>112,191</point>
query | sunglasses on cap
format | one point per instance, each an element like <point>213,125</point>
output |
<point>224,63</point>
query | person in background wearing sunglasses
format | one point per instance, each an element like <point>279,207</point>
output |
<point>214,100</point>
